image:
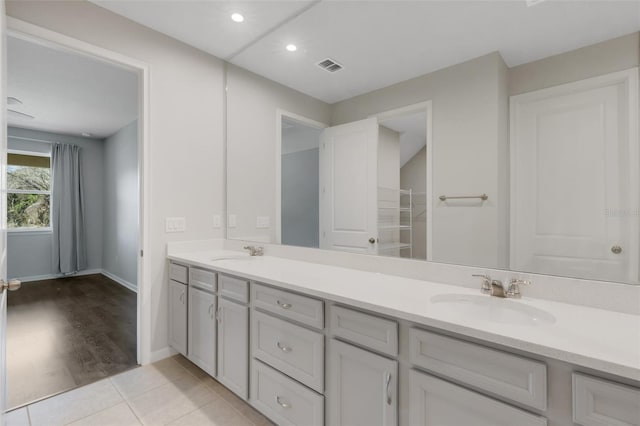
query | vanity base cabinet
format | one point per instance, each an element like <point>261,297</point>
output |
<point>283,400</point>
<point>362,387</point>
<point>202,330</point>
<point>178,316</point>
<point>435,402</point>
<point>598,402</point>
<point>233,346</point>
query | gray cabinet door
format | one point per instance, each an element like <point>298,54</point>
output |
<point>233,346</point>
<point>178,316</point>
<point>361,387</point>
<point>202,330</point>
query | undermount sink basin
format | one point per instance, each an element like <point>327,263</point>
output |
<point>231,257</point>
<point>488,308</point>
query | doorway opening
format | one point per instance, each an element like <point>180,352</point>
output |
<point>73,216</point>
<point>297,186</point>
<point>413,201</point>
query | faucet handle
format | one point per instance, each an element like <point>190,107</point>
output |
<point>486,283</point>
<point>514,287</point>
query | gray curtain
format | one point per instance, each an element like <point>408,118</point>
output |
<point>67,210</point>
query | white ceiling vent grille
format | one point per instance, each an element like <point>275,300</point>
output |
<point>330,65</point>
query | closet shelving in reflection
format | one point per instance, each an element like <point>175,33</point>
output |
<point>395,222</point>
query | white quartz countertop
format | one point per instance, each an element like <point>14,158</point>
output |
<point>594,338</point>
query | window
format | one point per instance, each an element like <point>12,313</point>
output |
<point>28,191</point>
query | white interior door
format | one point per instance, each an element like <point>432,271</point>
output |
<point>574,174</point>
<point>348,187</point>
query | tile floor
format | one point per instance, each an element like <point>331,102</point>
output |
<point>170,392</point>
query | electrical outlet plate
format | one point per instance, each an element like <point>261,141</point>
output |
<point>232,223</point>
<point>263,222</point>
<point>175,224</point>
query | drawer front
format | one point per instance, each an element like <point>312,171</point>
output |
<point>598,402</point>
<point>435,402</point>
<point>201,278</point>
<point>513,377</point>
<point>284,400</point>
<point>294,350</point>
<point>299,308</point>
<point>178,273</point>
<point>233,288</point>
<point>367,330</point>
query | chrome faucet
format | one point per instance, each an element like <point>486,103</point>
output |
<point>255,251</point>
<point>496,289</point>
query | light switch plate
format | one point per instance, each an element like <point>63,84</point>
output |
<point>263,222</point>
<point>217,221</point>
<point>175,224</point>
<point>232,221</point>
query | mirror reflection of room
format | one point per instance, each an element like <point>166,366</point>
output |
<point>469,164</point>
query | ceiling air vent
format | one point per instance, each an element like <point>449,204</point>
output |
<point>330,65</point>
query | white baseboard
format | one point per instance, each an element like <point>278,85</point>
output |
<point>120,281</point>
<point>55,276</point>
<point>162,354</point>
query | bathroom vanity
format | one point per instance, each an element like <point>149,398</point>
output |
<point>311,344</point>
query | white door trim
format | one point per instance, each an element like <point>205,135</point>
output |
<point>427,107</point>
<point>313,123</point>
<point>43,36</point>
<point>630,79</point>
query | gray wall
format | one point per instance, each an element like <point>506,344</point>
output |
<point>300,219</point>
<point>469,144</point>
<point>30,254</point>
<point>121,212</point>
<point>252,102</point>
<point>618,54</point>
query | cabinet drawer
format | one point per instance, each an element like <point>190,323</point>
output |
<point>201,278</point>
<point>233,288</point>
<point>284,400</point>
<point>292,349</point>
<point>513,377</point>
<point>299,308</point>
<point>368,330</point>
<point>178,273</point>
<point>434,402</point>
<point>598,402</point>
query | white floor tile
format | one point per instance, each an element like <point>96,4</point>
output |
<point>135,382</point>
<point>118,415</point>
<point>171,401</point>
<point>17,417</point>
<point>74,405</point>
<point>216,413</point>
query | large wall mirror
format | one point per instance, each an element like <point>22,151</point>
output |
<point>496,134</point>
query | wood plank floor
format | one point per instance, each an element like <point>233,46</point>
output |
<point>66,333</point>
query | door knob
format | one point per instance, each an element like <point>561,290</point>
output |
<point>12,285</point>
<point>616,249</point>
<point>372,240</point>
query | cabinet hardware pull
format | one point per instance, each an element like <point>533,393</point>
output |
<point>218,311</point>
<point>387,387</point>
<point>182,297</point>
<point>282,403</point>
<point>210,308</point>
<point>283,348</point>
<point>283,305</point>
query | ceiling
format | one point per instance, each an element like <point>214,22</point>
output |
<point>379,43</point>
<point>68,93</point>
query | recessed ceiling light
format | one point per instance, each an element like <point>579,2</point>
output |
<point>86,135</point>
<point>291,47</point>
<point>237,17</point>
<point>533,2</point>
